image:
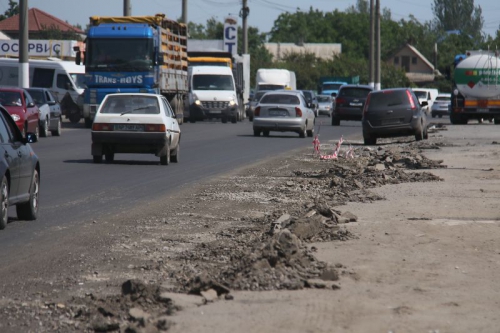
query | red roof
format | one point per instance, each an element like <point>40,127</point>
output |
<point>37,21</point>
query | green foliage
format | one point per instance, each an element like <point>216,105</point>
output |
<point>52,32</point>
<point>13,10</point>
<point>458,15</point>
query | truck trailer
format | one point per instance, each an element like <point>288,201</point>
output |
<point>146,54</point>
<point>476,87</point>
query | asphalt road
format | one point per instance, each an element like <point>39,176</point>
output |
<point>74,190</point>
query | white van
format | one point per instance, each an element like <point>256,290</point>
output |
<point>64,79</point>
<point>426,94</point>
<point>212,94</point>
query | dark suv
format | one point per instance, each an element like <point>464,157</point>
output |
<point>391,113</point>
<point>311,98</point>
<point>349,103</point>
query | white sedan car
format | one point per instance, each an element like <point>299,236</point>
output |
<point>284,111</point>
<point>135,123</point>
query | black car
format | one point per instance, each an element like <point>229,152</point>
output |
<point>391,113</point>
<point>311,98</point>
<point>19,171</point>
<point>349,103</point>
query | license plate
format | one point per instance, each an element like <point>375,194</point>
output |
<point>356,104</point>
<point>389,121</point>
<point>483,110</point>
<point>214,111</point>
<point>278,113</point>
<point>129,127</point>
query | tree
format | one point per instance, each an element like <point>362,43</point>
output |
<point>13,10</point>
<point>459,15</point>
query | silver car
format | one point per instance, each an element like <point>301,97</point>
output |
<point>440,106</point>
<point>284,111</point>
<point>325,105</point>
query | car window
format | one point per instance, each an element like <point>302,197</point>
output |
<point>168,110</point>
<point>131,105</point>
<point>47,96</point>
<point>10,98</point>
<point>13,131</point>
<point>37,96</point>
<point>63,82</point>
<point>420,94</point>
<point>354,92</point>
<point>4,132</point>
<point>307,94</point>
<point>259,95</point>
<point>388,99</point>
<point>280,99</point>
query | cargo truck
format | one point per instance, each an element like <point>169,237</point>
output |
<point>329,85</point>
<point>274,79</point>
<point>146,54</point>
<point>476,87</point>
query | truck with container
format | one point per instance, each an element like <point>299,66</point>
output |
<point>329,85</point>
<point>239,67</point>
<point>275,79</point>
<point>476,87</point>
<point>144,54</point>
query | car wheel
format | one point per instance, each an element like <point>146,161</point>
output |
<point>223,119</point>
<point>110,157</point>
<point>192,120</point>
<point>4,202</point>
<point>256,132</point>
<point>419,135</point>
<point>165,160</point>
<point>57,131</point>
<point>433,115</point>
<point>234,119</point>
<point>426,133</point>
<point>310,132</point>
<point>370,141</point>
<point>335,121</point>
<point>250,118</point>
<point>303,133</point>
<point>74,117</point>
<point>265,133</point>
<point>97,158</point>
<point>440,116</point>
<point>29,210</point>
<point>174,157</point>
<point>44,128</point>
<point>37,131</point>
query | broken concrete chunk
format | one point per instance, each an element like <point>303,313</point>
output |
<point>209,295</point>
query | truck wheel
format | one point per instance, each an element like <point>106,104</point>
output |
<point>110,157</point>
<point>256,132</point>
<point>74,118</point>
<point>97,158</point>
<point>88,122</point>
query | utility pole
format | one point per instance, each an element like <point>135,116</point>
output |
<point>185,11</point>
<point>24,67</point>
<point>126,8</point>
<point>372,46</point>
<point>377,56</point>
<point>245,11</point>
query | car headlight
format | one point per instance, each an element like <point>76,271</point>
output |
<point>327,108</point>
<point>15,117</point>
<point>197,102</point>
<point>232,103</point>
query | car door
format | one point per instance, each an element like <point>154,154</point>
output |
<point>32,112</point>
<point>173,124</point>
<point>55,108</point>
<point>12,155</point>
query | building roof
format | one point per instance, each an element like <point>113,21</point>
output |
<point>38,20</point>
<point>320,50</point>
<point>420,55</point>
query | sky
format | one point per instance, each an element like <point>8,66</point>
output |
<point>263,13</point>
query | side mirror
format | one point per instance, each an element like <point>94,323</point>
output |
<point>51,102</point>
<point>309,105</point>
<point>424,103</point>
<point>30,104</point>
<point>31,138</point>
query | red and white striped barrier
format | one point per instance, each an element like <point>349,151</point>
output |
<point>348,154</point>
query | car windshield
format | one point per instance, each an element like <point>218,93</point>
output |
<point>212,82</point>
<point>131,105</point>
<point>331,86</point>
<point>10,98</point>
<point>324,99</point>
<point>259,95</point>
<point>354,92</point>
<point>307,94</point>
<point>443,98</point>
<point>388,99</point>
<point>37,96</point>
<point>280,99</point>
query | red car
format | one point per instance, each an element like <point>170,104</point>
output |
<point>21,108</point>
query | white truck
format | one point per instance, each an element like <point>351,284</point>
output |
<point>64,79</point>
<point>274,79</point>
<point>212,94</point>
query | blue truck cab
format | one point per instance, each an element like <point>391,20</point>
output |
<point>331,88</point>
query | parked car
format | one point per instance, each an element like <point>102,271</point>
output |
<point>311,98</point>
<point>50,111</point>
<point>253,103</point>
<point>136,123</point>
<point>284,111</point>
<point>392,113</point>
<point>325,105</point>
<point>441,105</point>
<point>22,108</point>
<point>349,103</point>
<point>19,171</point>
